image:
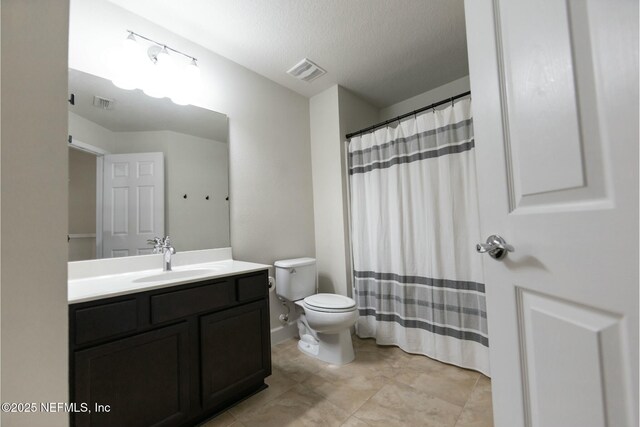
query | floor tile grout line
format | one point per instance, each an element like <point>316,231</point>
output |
<point>467,401</point>
<point>359,419</point>
<point>237,417</point>
<point>311,390</point>
<point>352,414</point>
<point>370,397</point>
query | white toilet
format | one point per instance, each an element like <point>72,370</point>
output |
<point>325,319</point>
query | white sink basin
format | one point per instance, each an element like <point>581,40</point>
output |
<point>177,275</point>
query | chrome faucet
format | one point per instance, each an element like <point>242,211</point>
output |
<point>162,245</point>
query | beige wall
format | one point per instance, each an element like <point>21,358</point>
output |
<point>271,193</point>
<point>82,204</point>
<point>426,98</point>
<point>34,208</point>
<point>0,209</point>
<point>334,112</point>
<point>89,132</point>
<point>325,161</point>
<point>200,170</point>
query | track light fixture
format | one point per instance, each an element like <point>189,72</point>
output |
<point>159,70</point>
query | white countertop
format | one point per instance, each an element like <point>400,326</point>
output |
<point>84,287</point>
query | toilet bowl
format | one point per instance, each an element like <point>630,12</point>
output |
<point>325,325</point>
<point>330,313</point>
<point>325,320</point>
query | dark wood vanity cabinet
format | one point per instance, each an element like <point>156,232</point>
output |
<point>172,356</point>
<point>243,359</point>
<point>143,378</point>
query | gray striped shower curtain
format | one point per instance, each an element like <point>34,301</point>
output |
<point>418,281</point>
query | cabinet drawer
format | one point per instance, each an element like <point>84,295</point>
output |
<point>104,321</point>
<point>178,304</point>
<point>251,287</point>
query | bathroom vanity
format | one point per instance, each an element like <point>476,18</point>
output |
<point>167,348</point>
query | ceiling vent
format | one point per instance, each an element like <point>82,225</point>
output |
<point>103,103</point>
<point>306,70</point>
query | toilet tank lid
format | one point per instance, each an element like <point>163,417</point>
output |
<point>295,262</point>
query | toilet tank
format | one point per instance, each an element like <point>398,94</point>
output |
<point>295,278</point>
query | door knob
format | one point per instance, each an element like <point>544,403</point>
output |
<point>496,246</point>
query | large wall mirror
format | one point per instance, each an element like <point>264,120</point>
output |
<point>141,167</point>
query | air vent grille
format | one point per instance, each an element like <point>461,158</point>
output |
<point>103,103</point>
<point>306,70</point>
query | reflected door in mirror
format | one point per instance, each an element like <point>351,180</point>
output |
<point>132,203</point>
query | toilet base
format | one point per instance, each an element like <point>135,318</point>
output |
<point>309,345</point>
<point>336,349</point>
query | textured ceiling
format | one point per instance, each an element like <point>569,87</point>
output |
<point>383,50</point>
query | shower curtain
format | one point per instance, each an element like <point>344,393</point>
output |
<point>418,281</point>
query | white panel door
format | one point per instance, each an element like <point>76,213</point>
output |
<point>555,99</point>
<point>133,203</point>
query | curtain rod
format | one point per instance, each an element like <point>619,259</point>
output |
<point>419,110</point>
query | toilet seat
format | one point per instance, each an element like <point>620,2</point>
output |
<point>329,303</point>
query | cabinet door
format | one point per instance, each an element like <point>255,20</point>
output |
<point>144,379</point>
<point>235,352</point>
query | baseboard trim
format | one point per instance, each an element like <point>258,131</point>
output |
<point>283,333</point>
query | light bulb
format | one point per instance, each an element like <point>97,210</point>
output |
<point>156,73</point>
<point>169,71</point>
<point>127,64</point>
<point>153,84</point>
<point>130,45</point>
<point>180,98</point>
<point>187,83</point>
<point>192,73</point>
<point>180,95</point>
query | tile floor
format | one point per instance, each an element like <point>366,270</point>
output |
<point>383,386</point>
